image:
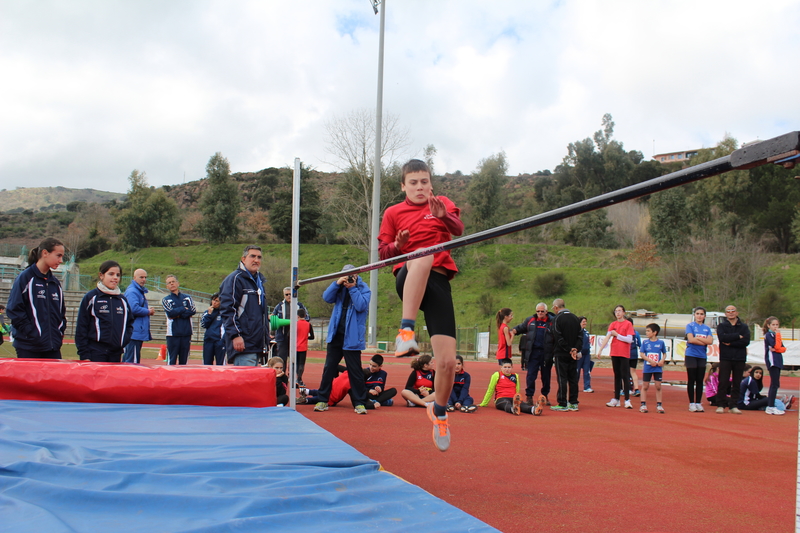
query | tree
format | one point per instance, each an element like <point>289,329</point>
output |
<point>669,221</point>
<point>485,190</point>
<point>352,143</point>
<point>280,215</point>
<point>591,229</point>
<point>149,217</point>
<point>219,203</point>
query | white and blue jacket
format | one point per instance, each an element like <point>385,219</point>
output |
<point>180,310</point>
<point>37,311</point>
<point>244,311</point>
<point>105,324</point>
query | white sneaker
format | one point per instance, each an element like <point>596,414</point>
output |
<point>692,408</point>
<point>613,403</point>
<point>770,411</point>
<point>628,404</point>
<point>699,408</point>
<point>777,411</point>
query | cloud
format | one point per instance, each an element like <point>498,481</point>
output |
<point>95,89</point>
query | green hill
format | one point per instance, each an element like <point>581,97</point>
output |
<point>595,279</point>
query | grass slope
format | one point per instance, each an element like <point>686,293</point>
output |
<point>596,279</point>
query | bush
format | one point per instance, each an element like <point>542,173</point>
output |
<point>550,285</point>
<point>487,303</point>
<point>499,275</point>
<point>773,302</point>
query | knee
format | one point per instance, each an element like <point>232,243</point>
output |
<point>446,365</point>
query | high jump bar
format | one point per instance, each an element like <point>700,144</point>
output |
<point>775,150</point>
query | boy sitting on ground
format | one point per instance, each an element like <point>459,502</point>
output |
<point>504,388</point>
<point>375,378</point>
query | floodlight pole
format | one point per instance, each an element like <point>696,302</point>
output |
<point>376,188</point>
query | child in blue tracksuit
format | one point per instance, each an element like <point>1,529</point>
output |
<point>213,341</point>
<point>460,398</point>
<point>633,381</point>
<point>375,380</point>
<point>585,363</point>
<point>105,320</point>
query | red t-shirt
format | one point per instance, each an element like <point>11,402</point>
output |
<point>424,230</point>
<point>502,346</point>
<point>302,334</point>
<point>506,386</point>
<point>619,348</point>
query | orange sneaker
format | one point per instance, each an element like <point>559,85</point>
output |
<point>441,429</point>
<point>539,407</point>
<point>404,344</point>
<point>517,400</point>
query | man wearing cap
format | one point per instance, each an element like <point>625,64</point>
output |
<point>346,338</point>
<point>283,310</point>
<point>244,310</point>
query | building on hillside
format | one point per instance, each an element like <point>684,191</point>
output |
<point>675,157</point>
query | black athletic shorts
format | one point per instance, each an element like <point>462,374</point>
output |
<point>437,303</point>
<point>634,363</point>
<point>646,376</point>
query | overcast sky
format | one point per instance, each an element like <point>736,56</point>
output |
<point>94,89</point>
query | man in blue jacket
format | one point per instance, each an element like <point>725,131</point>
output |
<point>244,310</point>
<point>135,294</point>
<point>346,338</point>
<point>180,309</point>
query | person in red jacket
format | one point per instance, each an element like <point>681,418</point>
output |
<point>305,333</point>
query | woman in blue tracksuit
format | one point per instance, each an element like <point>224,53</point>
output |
<point>105,321</point>
<point>460,398</point>
<point>36,306</point>
<point>585,363</point>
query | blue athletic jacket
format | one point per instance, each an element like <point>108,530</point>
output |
<point>244,311</point>
<point>356,320</point>
<point>213,324</point>
<point>135,294</point>
<point>460,392</point>
<point>180,310</point>
<point>37,311</point>
<point>105,324</point>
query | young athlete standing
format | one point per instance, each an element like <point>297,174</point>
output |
<point>420,221</point>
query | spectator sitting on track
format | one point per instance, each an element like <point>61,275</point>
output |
<point>375,380</point>
<point>419,387</point>
<point>460,398</point>
<point>711,383</point>
<point>504,388</point>
<point>339,389</point>
<point>281,381</point>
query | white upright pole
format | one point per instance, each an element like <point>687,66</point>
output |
<point>376,193</point>
<point>293,284</point>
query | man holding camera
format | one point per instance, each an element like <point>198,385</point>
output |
<point>346,338</point>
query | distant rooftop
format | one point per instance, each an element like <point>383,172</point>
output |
<point>672,157</point>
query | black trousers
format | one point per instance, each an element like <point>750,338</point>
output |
<point>352,360</point>
<point>567,375</point>
<point>726,370</point>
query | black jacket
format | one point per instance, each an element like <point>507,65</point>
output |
<point>567,333</point>
<point>733,340</point>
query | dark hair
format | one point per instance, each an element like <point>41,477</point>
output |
<point>759,381</point>
<point>215,295</point>
<point>2,307</point>
<point>418,362</point>
<point>582,318</point>
<point>703,309</point>
<point>505,360</point>
<point>301,313</point>
<point>614,312</point>
<point>108,265</point>
<point>501,315</point>
<point>655,328</point>
<point>48,244</point>
<point>415,165</point>
<point>377,359</point>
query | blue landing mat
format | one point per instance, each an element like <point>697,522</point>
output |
<point>82,467</point>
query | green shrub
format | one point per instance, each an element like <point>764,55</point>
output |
<point>499,275</point>
<point>550,284</point>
